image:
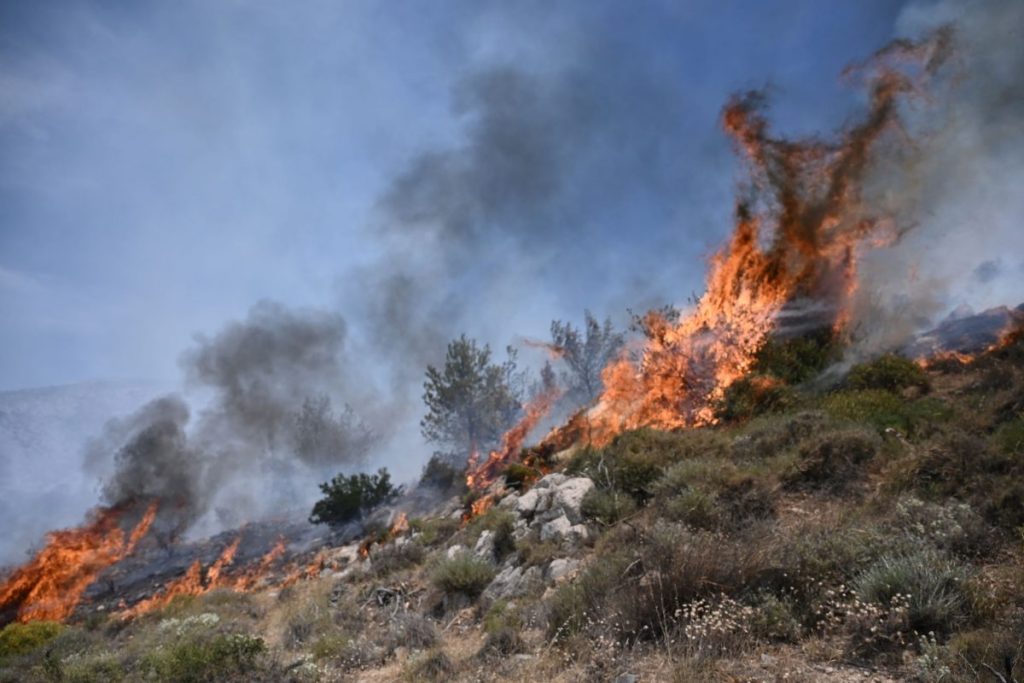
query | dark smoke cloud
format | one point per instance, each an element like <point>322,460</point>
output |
<point>276,422</point>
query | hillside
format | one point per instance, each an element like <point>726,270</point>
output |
<point>868,530</point>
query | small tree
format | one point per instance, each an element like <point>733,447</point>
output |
<point>585,354</point>
<point>470,401</point>
<point>347,498</point>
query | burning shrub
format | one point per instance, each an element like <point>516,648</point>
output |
<point>933,585</point>
<point>888,373</point>
<point>464,573</point>
<point>831,461</point>
<point>347,498</point>
<point>18,639</point>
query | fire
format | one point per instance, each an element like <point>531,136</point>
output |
<point>399,526</point>
<point>480,475</point>
<point>797,239</point>
<point>50,586</point>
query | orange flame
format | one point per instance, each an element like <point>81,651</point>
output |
<point>51,585</point>
<point>797,238</point>
<point>399,526</point>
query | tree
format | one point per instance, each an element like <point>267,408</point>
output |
<point>320,437</point>
<point>585,354</point>
<point>470,401</point>
<point>347,498</point>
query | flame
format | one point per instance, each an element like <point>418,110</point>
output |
<point>797,238</point>
<point>480,475</point>
<point>399,526</point>
<point>51,585</point>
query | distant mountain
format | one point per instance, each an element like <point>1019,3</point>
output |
<point>42,431</point>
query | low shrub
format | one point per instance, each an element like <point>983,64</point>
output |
<point>415,631</point>
<point>431,666</point>
<point>888,373</point>
<point>518,477</point>
<point>798,359</point>
<point>439,473</point>
<point>502,643</point>
<point>533,552</point>
<point>392,557</point>
<point>607,507</point>
<point>19,639</point>
<point>831,461</point>
<point>434,530</point>
<point>754,395</point>
<point>211,659</point>
<point>1009,438</point>
<point>886,410</point>
<point>933,585</point>
<point>464,573</point>
<point>346,498</point>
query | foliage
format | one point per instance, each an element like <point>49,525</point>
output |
<point>585,353</point>
<point>798,359</point>
<point>607,507</point>
<point>433,665</point>
<point>888,373</point>
<point>18,639</point>
<point>442,475</point>
<point>470,401</point>
<point>754,395</point>
<point>933,584</point>
<point>320,436</point>
<point>1009,438</point>
<point>884,410</point>
<point>346,498</point>
<point>206,659</point>
<point>434,530</point>
<point>464,573</point>
<point>832,460</point>
<point>519,476</point>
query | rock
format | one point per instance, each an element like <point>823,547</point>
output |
<point>527,503</point>
<point>556,529</point>
<point>509,502</point>
<point>484,547</point>
<point>626,678</point>
<point>552,480</point>
<point>561,568</point>
<point>569,497</point>
<point>455,551</point>
<point>578,532</point>
<point>511,582</point>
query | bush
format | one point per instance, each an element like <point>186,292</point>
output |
<point>888,373</point>
<point>392,557</point>
<point>440,474</point>
<point>18,639</point>
<point>464,573</point>
<point>518,477</point>
<point>933,585</point>
<point>754,395</point>
<point>431,666</point>
<point>210,659</point>
<point>798,359</point>
<point>883,410</point>
<point>1009,438</point>
<point>831,461</point>
<point>434,530</point>
<point>607,507</point>
<point>346,498</point>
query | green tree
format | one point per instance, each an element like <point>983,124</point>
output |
<point>347,498</point>
<point>470,401</point>
<point>585,354</point>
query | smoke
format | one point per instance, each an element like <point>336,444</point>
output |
<point>958,186</point>
<point>268,431</point>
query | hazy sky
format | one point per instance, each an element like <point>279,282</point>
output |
<point>164,166</point>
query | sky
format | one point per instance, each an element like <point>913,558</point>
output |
<point>165,166</point>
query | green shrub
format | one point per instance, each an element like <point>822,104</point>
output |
<point>518,477</point>
<point>210,659</point>
<point>607,507</point>
<point>754,395</point>
<point>883,410</point>
<point>440,474</point>
<point>346,498</point>
<point>1009,438</point>
<point>577,605</point>
<point>888,373</point>
<point>434,530</point>
<point>464,573</point>
<point>18,639</point>
<point>934,585</point>
<point>798,359</point>
<point>832,460</point>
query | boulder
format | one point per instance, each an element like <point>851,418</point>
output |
<point>552,480</point>
<point>556,530</point>
<point>561,569</point>
<point>484,547</point>
<point>511,582</point>
<point>527,503</point>
<point>569,497</point>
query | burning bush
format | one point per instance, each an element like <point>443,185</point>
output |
<point>347,498</point>
<point>752,396</point>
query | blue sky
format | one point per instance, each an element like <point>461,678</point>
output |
<point>164,166</point>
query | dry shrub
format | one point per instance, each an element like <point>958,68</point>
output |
<point>434,665</point>
<point>832,461</point>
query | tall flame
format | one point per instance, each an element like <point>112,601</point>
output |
<point>51,585</point>
<point>798,235</point>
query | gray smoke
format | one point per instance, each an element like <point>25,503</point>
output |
<point>276,420</point>
<point>960,184</point>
